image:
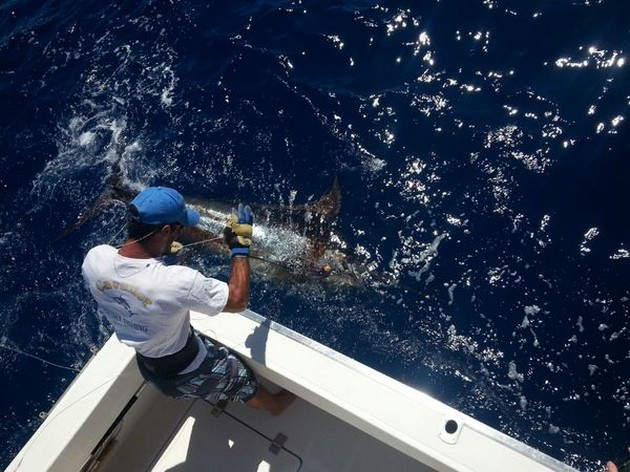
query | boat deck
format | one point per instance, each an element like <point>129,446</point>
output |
<point>347,417</point>
<point>161,434</point>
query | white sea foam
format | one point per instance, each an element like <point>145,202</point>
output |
<point>513,373</point>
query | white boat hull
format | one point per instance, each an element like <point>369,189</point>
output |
<point>348,417</point>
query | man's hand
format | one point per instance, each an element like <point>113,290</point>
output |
<point>238,232</point>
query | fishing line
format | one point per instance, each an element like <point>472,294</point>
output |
<point>151,233</point>
<point>124,227</point>
<point>24,353</point>
<point>203,241</point>
<point>326,268</point>
<point>140,239</point>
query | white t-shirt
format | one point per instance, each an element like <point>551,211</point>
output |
<point>148,302</point>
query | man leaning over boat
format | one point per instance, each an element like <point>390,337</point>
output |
<point>148,302</point>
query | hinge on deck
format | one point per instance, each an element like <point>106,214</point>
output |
<point>278,443</point>
<point>219,408</point>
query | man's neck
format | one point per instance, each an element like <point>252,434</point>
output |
<point>135,250</point>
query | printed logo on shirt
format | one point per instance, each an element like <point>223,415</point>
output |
<point>104,285</point>
<point>123,303</point>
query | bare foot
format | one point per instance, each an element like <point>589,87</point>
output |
<point>274,403</point>
<point>283,399</point>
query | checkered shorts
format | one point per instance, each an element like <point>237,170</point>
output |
<point>221,376</point>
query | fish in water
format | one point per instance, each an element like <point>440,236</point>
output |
<point>289,241</point>
<point>299,242</point>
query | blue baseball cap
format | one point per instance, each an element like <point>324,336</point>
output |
<point>162,206</point>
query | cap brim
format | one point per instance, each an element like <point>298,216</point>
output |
<point>192,217</point>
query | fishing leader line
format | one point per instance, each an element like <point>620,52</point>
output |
<point>201,242</point>
<point>179,245</point>
<point>28,354</point>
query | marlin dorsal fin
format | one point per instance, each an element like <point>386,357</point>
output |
<point>329,204</point>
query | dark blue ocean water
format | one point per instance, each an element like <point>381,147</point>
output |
<point>482,148</point>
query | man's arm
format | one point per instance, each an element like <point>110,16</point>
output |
<point>238,237</point>
<point>238,285</point>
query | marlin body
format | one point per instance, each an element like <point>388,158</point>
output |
<point>293,241</point>
<point>289,242</point>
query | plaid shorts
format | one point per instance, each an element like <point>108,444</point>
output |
<point>221,376</point>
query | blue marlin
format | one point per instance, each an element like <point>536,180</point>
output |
<point>297,242</point>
